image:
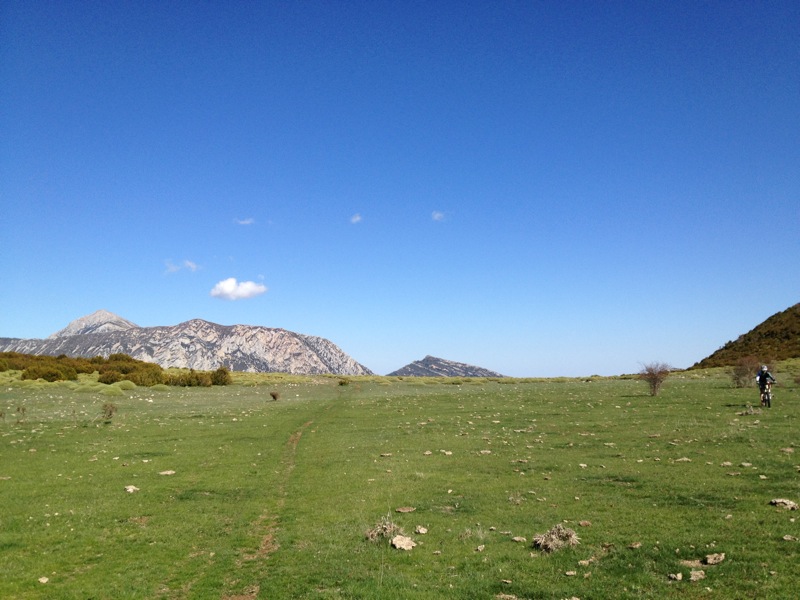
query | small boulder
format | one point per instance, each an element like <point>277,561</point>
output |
<point>402,542</point>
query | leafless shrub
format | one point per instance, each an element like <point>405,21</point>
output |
<point>743,373</point>
<point>109,410</point>
<point>385,528</point>
<point>655,374</point>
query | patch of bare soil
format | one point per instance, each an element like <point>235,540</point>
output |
<point>250,594</point>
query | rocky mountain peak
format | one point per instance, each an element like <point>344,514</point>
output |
<point>431,366</point>
<point>195,344</point>
<point>101,321</point>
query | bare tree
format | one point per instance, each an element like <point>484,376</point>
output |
<point>655,373</point>
<point>743,373</point>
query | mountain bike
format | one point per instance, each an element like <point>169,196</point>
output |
<point>766,396</point>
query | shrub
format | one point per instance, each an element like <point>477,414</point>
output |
<point>109,410</point>
<point>50,372</point>
<point>221,377</point>
<point>744,371</point>
<point>655,374</point>
<point>147,374</point>
<point>126,384</point>
<point>109,376</point>
<point>191,378</point>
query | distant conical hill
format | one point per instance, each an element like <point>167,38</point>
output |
<point>777,338</point>
<point>430,366</point>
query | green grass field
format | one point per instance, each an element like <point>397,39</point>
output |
<point>242,497</point>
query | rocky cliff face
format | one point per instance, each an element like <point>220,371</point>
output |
<point>430,366</point>
<point>195,344</point>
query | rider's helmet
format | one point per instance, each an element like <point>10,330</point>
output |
<point>764,368</point>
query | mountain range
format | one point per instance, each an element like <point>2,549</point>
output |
<point>195,344</point>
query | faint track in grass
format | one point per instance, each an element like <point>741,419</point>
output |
<point>267,522</point>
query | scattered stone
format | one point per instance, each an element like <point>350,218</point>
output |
<point>583,465</point>
<point>486,451</point>
<point>131,489</point>
<point>787,450</point>
<point>789,538</point>
<point>571,573</point>
<point>402,542</point>
<point>427,453</point>
<point>635,545</point>
<point>784,503</point>
<point>697,575</point>
<point>167,473</point>
<point>480,548</point>
<point>676,576</point>
<point>683,459</point>
<point>585,523</point>
<point>519,538</point>
<point>714,559</point>
<point>421,530</point>
<point>405,509</point>
<point>693,564</point>
<point>43,579</point>
<point>386,454</point>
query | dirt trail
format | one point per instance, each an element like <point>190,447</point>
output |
<point>267,522</point>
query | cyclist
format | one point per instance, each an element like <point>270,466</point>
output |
<point>764,379</point>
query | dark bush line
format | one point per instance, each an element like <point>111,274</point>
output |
<point>117,367</point>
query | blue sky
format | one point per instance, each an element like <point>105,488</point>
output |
<point>537,188</point>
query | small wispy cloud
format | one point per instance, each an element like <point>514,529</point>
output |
<point>356,218</point>
<point>231,289</point>
<point>189,265</point>
<point>437,215</point>
<point>247,221</point>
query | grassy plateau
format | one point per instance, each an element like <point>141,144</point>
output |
<point>118,491</point>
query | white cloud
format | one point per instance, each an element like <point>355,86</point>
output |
<point>437,215</point>
<point>230,289</point>
<point>186,264</point>
<point>356,218</point>
<point>247,221</point>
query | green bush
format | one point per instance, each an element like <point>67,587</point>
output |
<point>191,378</point>
<point>50,372</point>
<point>147,374</point>
<point>109,376</point>
<point>221,377</point>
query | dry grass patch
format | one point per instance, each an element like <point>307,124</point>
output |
<point>386,528</point>
<point>556,538</point>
